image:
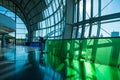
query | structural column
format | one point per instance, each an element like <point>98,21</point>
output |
<point>30,34</point>
<point>91,15</point>
<point>84,18</point>
<point>3,41</point>
<point>69,19</point>
<point>99,14</point>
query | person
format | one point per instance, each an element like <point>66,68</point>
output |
<point>42,43</point>
<point>42,47</point>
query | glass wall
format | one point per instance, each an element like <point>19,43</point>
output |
<point>96,18</point>
<point>53,23</point>
<point>77,58</point>
<point>21,30</point>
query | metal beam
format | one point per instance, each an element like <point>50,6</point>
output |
<point>39,13</point>
<point>27,4</point>
<point>34,7</point>
<point>78,4</point>
<point>90,30</point>
<point>84,17</point>
<point>101,18</point>
<point>99,14</point>
<point>21,1</point>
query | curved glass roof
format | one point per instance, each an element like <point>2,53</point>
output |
<point>30,11</point>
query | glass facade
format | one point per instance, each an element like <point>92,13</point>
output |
<point>80,59</point>
<point>91,18</point>
<point>103,51</point>
<point>54,20</point>
<point>21,29</point>
<point>96,18</point>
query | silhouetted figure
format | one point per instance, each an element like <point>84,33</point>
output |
<point>42,47</point>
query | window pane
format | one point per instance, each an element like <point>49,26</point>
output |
<point>110,6</point>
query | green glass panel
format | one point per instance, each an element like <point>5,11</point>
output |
<point>84,59</point>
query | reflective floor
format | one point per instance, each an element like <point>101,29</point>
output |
<point>26,63</point>
<point>23,63</point>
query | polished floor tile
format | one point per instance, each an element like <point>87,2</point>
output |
<point>22,63</point>
<point>26,63</point>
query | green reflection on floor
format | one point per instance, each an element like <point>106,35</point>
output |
<point>86,59</point>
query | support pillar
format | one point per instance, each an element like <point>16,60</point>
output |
<point>99,14</point>
<point>90,31</point>
<point>30,34</point>
<point>69,19</point>
<point>3,41</point>
<point>84,18</point>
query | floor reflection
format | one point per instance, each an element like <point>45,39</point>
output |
<point>26,63</point>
